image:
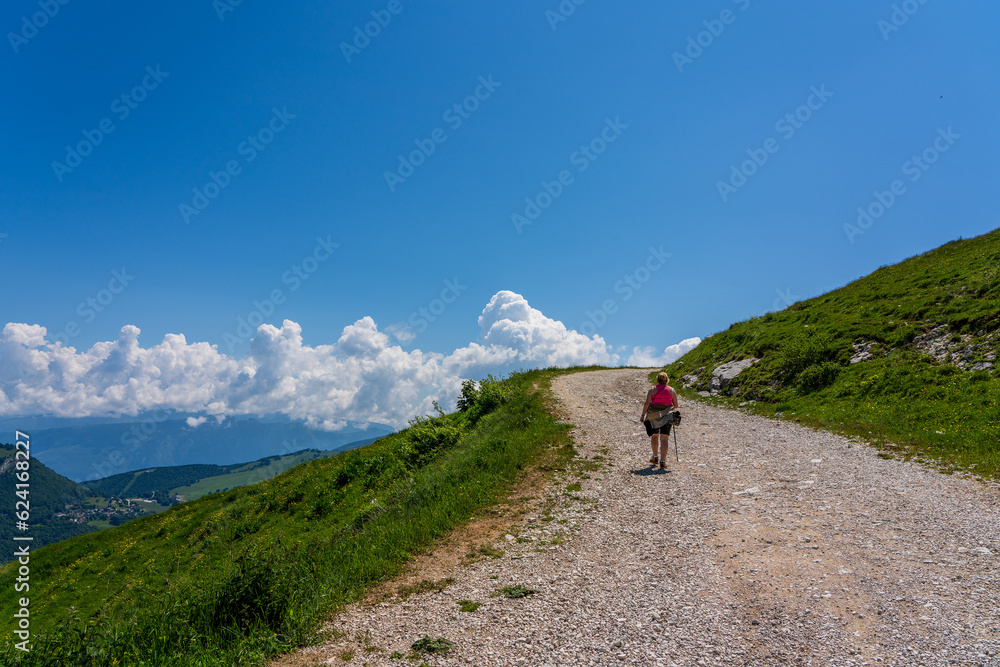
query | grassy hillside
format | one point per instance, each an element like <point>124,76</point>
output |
<point>236,476</point>
<point>153,481</point>
<point>196,480</point>
<point>923,335</point>
<point>234,577</point>
<point>50,492</point>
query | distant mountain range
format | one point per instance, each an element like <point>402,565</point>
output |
<point>87,450</point>
<point>189,482</point>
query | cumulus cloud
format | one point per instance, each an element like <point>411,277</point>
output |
<point>195,422</point>
<point>647,357</point>
<point>363,377</point>
<point>509,323</point>
<point>402,332</point>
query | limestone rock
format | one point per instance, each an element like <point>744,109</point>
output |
<point>726,373</point>
<point>862,352</point>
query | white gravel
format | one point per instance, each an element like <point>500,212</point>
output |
<point>767,544</point>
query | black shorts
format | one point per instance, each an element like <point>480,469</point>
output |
<point>650,431</point>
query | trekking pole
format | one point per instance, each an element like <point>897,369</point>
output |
<point>677,455</point>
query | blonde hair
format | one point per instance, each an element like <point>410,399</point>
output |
<point>662,378</point>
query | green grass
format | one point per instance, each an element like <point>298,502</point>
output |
<point>249,473</point>
<point>237,577</point>
<point>428,645</point>
<point>468,605</point>
<point>901,399</point>
<point>425,586</point>
<point>483,551</point>
<point>518,591</point>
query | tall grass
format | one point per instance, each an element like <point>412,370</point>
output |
<point>236,577</point>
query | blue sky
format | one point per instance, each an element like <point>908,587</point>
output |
<point>207,82</point>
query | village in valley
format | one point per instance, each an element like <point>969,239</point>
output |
<point>106,512</point>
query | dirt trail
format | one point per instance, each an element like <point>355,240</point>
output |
<point>767,544</point>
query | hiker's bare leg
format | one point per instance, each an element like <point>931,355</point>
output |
<point>664,446</point>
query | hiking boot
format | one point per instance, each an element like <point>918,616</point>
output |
<point>653,460</point>
<point>663,464</point>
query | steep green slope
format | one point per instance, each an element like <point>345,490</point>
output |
<point>49,493</point>
<point>923,336</point>
<point>234,577</point>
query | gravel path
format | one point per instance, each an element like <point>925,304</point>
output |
<point>767,544</point>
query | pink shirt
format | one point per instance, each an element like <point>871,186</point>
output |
<point>662,396</point>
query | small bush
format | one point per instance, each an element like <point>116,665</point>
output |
<point>470,392</point>
<point>518,591</point>
<point>426,438</point>
<point>479,401</point>
<point>428,645</point>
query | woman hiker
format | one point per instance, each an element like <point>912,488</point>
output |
<point>659,398</point>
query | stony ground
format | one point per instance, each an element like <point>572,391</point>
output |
<point>766,544</point>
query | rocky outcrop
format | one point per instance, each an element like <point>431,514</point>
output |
<point>862,352</point>
<point>689,380</point>
<point>960,350</point>
<point>723,375</point>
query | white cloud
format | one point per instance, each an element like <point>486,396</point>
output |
<point>195,422</point>
<point>508,322</point>
<point>402,332</point>
<point>648,357</point>
<point>362,377</point>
